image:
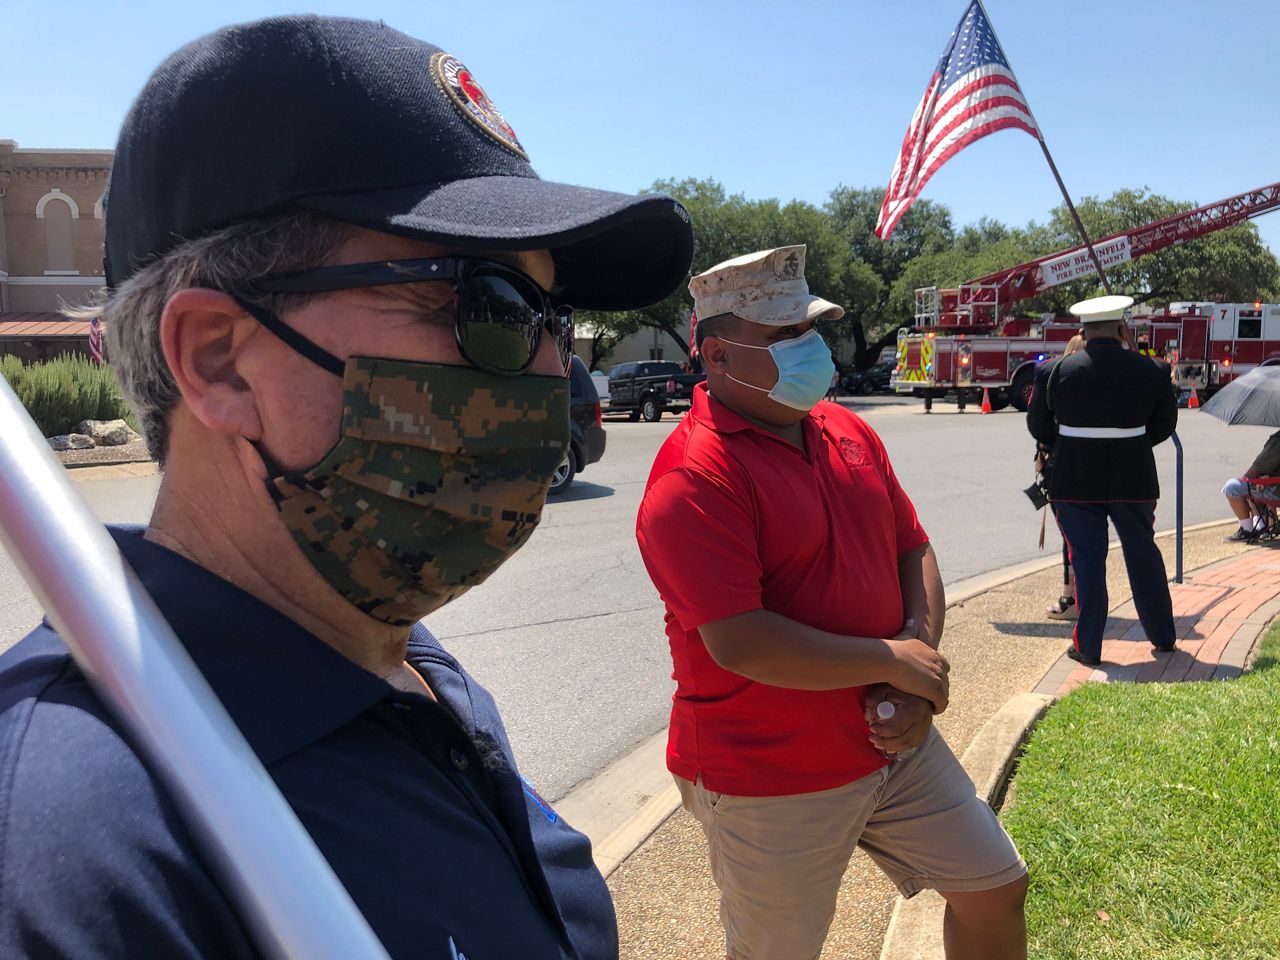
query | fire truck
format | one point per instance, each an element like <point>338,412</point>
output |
<point>962,342</point>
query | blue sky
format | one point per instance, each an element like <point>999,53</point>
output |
<point>779,99</point>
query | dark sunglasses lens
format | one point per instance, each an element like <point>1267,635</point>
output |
<point>562,325</point>
<point>501,328</point>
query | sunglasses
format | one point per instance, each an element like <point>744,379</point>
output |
<point>501,312</point>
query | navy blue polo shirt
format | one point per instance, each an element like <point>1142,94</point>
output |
<point>417,805</point>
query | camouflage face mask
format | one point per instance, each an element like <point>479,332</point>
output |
<point>439,476</point>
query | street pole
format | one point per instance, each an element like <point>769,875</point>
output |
<point>282,886</point>
<point>1093,255</point>
<point>1177,445</point>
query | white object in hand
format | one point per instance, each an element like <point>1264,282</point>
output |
<point>885,710</point>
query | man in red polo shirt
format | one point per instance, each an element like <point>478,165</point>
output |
<point>802,595</point>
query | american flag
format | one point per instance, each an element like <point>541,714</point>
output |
<point>972,93</point>
<point>95,339</point>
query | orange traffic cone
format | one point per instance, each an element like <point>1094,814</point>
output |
<point>986,400</point>
<point>1194,402</point>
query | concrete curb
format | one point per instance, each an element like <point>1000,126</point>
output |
<point>115,468</point>
<point>623,805</point>
<point>620,807</point>
<point>915,929</point>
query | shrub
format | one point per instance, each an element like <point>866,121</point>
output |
<point>59,393</point>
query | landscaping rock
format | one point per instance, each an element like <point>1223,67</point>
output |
<point>107,433</point>
<point>72,441</point>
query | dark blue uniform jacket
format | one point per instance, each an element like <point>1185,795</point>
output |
<point>1103,385</point>
<point>417,805</point>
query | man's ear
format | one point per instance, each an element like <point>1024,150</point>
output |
<point>714,356</point>
<point>203,333</point>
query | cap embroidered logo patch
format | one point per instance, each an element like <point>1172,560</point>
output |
<point>469,97</point>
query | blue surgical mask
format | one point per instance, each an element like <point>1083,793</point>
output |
<point>804,370</point>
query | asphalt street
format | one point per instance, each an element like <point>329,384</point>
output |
<point>568,635</point>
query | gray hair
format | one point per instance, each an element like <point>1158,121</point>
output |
<point>230,260</point>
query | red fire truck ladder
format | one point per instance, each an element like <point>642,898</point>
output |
<point>977,305</point>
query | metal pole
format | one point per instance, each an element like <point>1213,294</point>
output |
<point>1177,445</point>
<point>286,892</point>
<point>1106,285</point>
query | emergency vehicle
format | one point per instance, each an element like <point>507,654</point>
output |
<point>960,340</point>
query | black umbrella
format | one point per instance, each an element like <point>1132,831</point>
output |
<point>1252,399</point>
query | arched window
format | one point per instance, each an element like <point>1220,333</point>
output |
<point>59,212</point>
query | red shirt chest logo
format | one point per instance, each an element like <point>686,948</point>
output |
<point>853,453</point>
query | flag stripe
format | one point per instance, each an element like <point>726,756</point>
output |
<point>902,165</point>
<point>973,116</point>
<point>971,83</point>
<point>970,95</point>
<point>977,133</point>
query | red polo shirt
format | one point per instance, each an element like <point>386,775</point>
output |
<point>736,519</point>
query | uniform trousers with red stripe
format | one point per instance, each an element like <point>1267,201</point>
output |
<point>1084,527</point>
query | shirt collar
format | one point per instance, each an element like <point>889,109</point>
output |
<point>284,687</point>
<point>708,410</point>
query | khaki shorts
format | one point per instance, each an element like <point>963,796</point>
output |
<point>778,861</point>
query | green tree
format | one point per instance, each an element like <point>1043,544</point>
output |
<point>606,331</point>
<point>925,229</point>
<point>729,225</point>
<point>949,268</point>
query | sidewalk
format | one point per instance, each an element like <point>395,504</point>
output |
<point>999,644</point>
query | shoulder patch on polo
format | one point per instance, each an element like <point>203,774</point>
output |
<point>472,102</point>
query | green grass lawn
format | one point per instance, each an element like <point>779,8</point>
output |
<point>1149,815</point>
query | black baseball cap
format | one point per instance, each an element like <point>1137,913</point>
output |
<point>355,120</point>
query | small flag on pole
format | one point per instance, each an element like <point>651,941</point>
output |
<point>693,342</point>
<point>95,339</point>
<point>972,93</point>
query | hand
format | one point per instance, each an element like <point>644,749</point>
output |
<point>918,669</point>
<point>909,725</point>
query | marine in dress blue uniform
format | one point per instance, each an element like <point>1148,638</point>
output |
<point>1103,410</point>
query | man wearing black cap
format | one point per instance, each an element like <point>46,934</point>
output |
<point>1102,410</point>
<point>339,306</point>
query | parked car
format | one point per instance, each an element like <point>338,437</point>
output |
<point>869,381</point>
<point>601,380</point>
<point>639,388</point>
<point>680,390</point>
<point>586,430</point>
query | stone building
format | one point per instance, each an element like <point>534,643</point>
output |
<point>50,246</point>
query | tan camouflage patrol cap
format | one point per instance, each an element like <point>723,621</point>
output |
<point>767,287</point>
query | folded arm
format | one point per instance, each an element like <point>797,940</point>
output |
<point>770,648</point>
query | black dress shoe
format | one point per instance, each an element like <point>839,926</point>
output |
<point>1159,649</point>
<point>1079,657</point>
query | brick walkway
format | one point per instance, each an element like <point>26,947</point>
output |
<point>1220,611</point>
